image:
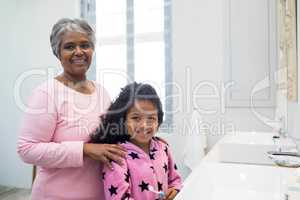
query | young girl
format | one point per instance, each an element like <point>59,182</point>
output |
<point>148,171</point>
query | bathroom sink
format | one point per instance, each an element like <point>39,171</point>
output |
<point>225,181</point>
<point>250,147</point>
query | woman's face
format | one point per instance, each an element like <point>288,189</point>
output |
<point>142,121</point>
<point>75,53</point>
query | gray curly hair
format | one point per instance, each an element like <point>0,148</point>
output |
<point>65,25</point>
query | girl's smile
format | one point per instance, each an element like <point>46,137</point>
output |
<point>142,122</point>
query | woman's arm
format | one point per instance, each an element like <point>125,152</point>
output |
<point>35,144</point>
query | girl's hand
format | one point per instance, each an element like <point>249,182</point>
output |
<point>171,193</point>
<point>105,153</point>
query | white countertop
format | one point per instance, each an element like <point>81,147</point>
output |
<point>214,180</point>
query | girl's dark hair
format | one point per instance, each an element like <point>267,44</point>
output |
<point>112,128</point>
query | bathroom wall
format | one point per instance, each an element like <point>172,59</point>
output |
<point>198,55</point>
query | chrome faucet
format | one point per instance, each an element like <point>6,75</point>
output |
<point>282,133</point>
<point>282,129</point>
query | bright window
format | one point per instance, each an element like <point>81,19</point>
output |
<point>133,44</point>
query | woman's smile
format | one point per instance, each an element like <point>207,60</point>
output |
<point>79,61</point>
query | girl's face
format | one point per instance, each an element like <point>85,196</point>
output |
<point>142,121</point>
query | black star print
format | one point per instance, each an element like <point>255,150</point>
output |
<point>159,185</point>
<point>175,167</point>
<point>113,190</point>
<point>127,175</point>
<point>165,167</point>
<point>154,149</point>
<point>166,150</point>
<point>134,155</point>
<point>144,186</point>
<point>126,196</point>
<point>152,168</point>
<point>103,175</point>
<point>152,156</point>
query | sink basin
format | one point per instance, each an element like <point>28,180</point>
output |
<point>250,147</point>
<point>224,181</point>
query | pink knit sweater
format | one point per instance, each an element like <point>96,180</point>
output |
<point>56,124</point>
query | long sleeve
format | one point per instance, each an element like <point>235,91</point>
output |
<point>117,182</point>
<point>35,145</point>
<point>174,179</point>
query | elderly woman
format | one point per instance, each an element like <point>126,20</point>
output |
<point>61,115</point>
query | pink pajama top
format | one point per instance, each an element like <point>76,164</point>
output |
<point>140,171</point>
<point>57,122</point>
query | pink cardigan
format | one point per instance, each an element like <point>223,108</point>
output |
<point>140,172</point>
<point>56,124</point>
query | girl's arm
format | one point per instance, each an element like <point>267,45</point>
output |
<point>174,179</point>
<point>117,182</point>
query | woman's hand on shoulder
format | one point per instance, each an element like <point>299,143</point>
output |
<point>105,153</point>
